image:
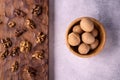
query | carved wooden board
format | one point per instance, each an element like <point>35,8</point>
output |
<point>23,39</point>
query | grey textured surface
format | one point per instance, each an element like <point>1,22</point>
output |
<point>66,66</point>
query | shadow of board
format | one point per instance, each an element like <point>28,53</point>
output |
<point>51,40</point>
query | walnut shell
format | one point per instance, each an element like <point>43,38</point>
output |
<point>95,32</point>
<point>77,29</point>
<point>74,39</point>
<point>94,45</point>
<point>88,38</point>
<point>83,48</point>
<point>86,25</point>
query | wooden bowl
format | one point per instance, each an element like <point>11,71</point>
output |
<point>101,36</point>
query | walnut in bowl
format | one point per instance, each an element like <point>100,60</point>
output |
<point>89,37</point>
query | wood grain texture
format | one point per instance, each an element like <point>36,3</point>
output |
<point>24,59</point>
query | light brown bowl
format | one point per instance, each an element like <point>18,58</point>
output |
<point>102,38</point>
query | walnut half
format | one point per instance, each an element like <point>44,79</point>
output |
<point>38,55</point>
<point>18,12</point>
<point>19,32</point>
<point>40,37</point>
<point>30,24</point>
<point>15,66</point>
<point>5,54</point>
<point>37,10</point>
<point>14,51</point>
<point>25,46</point>
<point>6,42</point>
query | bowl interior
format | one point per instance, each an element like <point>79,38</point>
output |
<point>101,37</point>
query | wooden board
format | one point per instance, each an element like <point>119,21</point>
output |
<point>23,39</point>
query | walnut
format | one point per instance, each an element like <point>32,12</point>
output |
<point>19,32</point>
<point>95,44</point>
<point>25,46</point>
<point>6,42</point>
<point>14,51</point>
<point>83,48</point>
<point>77,29</point>
<point>95,32</point>
<point>87,25</point>
<point>88,38</point>
<point>18,12</point>
<point>15,66</point>
<point>5,54</point>
<point>74,39</point>
<point>30,24</point>
<point>38,55</point>
<point>40,37</point>
<point>11,24</point>
<point>37,10</point>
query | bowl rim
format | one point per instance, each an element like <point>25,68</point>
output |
<point>101,45</point>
